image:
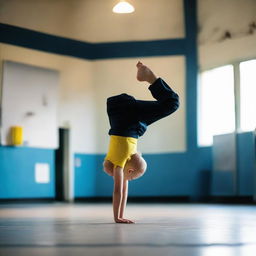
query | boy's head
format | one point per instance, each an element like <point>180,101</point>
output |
<point>135,167</point>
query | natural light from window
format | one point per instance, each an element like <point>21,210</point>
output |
<point>248,95</point>
<point>216,104</point>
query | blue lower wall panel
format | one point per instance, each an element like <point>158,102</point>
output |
<point>17,173</point>
<point>84,181</point>
<point>173,174</point>
<point>246,163</point>
<point>167,174</point>
<point>222,183</point>
<point>170,174</point>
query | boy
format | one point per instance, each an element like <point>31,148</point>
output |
<point>129,119</point>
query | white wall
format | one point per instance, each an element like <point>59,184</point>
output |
<point>216,17</point>
<point>76,96</point>
<point>94,21</point>
<point>29,100</point>
<point>119,76</point>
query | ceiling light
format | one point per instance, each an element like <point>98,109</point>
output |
<point>123,7</point>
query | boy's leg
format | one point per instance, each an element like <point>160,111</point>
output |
<point>167,101</point>
<point>152,111</point>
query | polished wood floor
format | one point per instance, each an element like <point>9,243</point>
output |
<point>161,230</point>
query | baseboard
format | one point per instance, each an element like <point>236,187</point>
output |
<point>26,200</point>
<point>138,199</point>
<point>244,200</point>
<point>231,200</point>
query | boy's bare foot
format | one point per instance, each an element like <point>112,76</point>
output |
<point>145,74</point>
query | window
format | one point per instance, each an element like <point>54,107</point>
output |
<point>248,95</point>
<point>218,98</point>
<point>216,104</point>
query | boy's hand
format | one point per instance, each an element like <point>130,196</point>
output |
<point>126,221</point>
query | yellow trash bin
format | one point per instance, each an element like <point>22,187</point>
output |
<point>17,135</point>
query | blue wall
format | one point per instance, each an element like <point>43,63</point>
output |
<point>170,174</point>
<point>17,173</point>
<point>85,175</point>
<point>176,174</point>
<point>246,163</point>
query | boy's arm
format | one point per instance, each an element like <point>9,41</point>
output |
<point>124,197</point>
<point>118,195</point>
<point>117,192</point>
<point>124,200</point>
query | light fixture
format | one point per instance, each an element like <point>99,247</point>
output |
<point>123,7</point>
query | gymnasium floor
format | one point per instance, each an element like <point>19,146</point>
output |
<point>161,230</point>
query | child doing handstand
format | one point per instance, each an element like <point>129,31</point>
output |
<point>129,119</point>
